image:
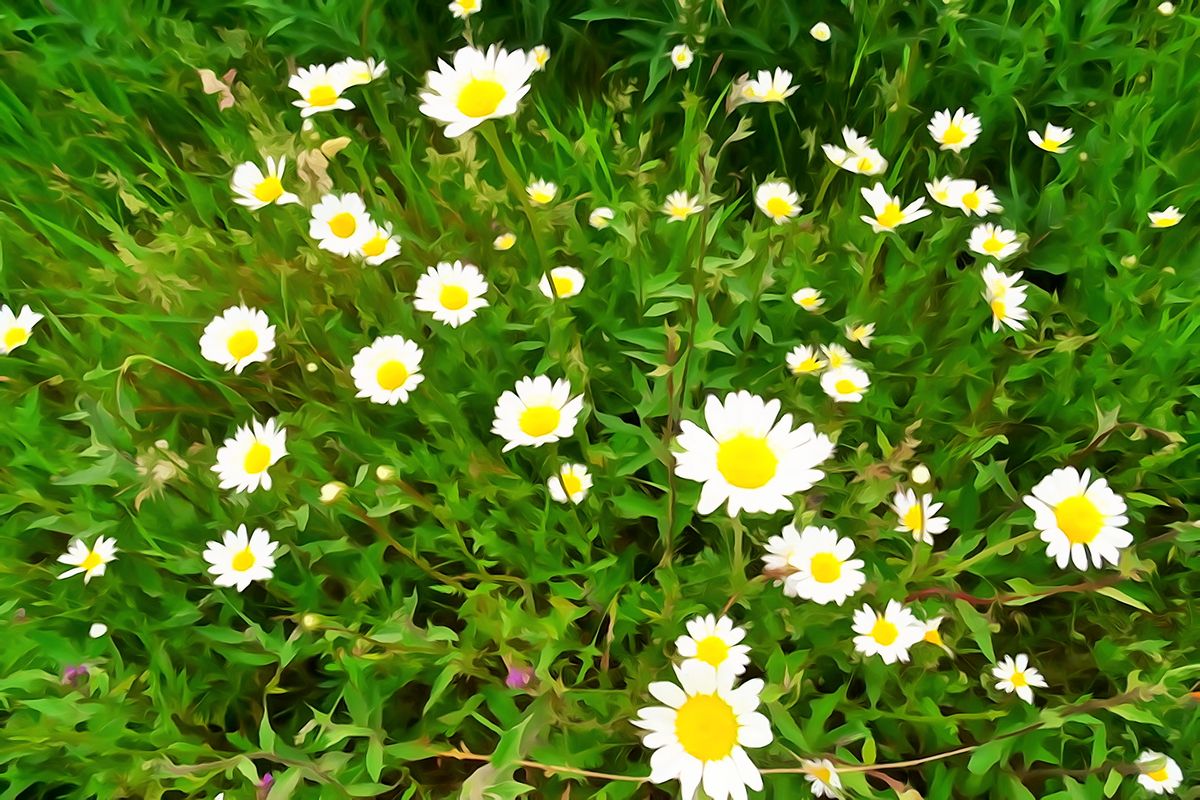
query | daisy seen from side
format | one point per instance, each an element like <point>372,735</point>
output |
<point>541,192</point>
<point>567,282</point>
<point>1169,217</point>
<point>804,360</point>
<point>858,156</point>
<point>808,298</point>
<point>257,189</point>
<point>1053,139</point>
<point>320,88</point>
<point>15,329</point>
<point>1158,773</point>
<point>823,779</point>
<point>889,211</point>
<point>679,206</point>
<point>570,484</point>
<point>379,243</point>
<point>918,515</point>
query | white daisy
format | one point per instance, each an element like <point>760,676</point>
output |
<point>243,461</point>
<point>993,241</point>
<point>955,132</point>
<point>570,483</point>
<point>888,635</point>
<point>782,555</point>
<point>340,224</point>
<point>803,360</point>
<point>858,156</point>
<point>932,633</point>
<point>1053,139</point>
<point>536,412</point>
<point>239,559</point>
<point>996,283</point>
<point>379,245</point>
<point>808,298</point>
<point>861,333</point>
<point>1159,774</point>
<point>823,779</point>
<point>823,568</point>
<point>240,336</point>
<point>1008,310</point>
<point>845,384</point>
<point>917,516</point>
<point>1015,675</point>
<point>820,32</point>
<point>836,356</point>
<point>942,191</point>
<point>541,192</point>
<point>679,206</point>
<point>461,9</point>
<point>715,643</point>
<point>699,733</point>
<point>889,213</point>
<point>1169,217</point>
<point>568,282</point>
<point>504,241</point>
<point>451,292</point>
<point>387,369</point>
<point>478,86</point>
<point>1076,516</point>
<point>772,88</point>
<point>746,459</point>
<point>15,328</point>
<point>681,56</point>
<point>539,57</point>
<point>600,217</point>
<point>258,189</point>
<point>777,200</point>
<point>973,198</point>
<point>91,561</point>
<point>362,72</point>
<point>320,88</point>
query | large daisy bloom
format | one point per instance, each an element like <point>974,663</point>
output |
<point>570,483</point>
<point>973,198</point>
<point>461,9</point>
<point>320,88</point>
<point>340,224</point>
<point>804,360</point>
<point>714,642</point>
<point>808,298</point>
<point>699,733</point>
<point>858,156</point>
<point>240,336</point>
<point>91,561</point>
<point>746,459</point>
<point>239,559</point>
<point>771,88</point>
<point>824,570</point>
<point>679,206</point>
<point>478,86</point>
<point>1015,675</point>
<point>387,369</point>
<point>1159,774</point>
<point>956,131</point>
<point>993,241</point>
<point>243,461</point>
<point>822,777</point>
<point>567,281</point>
<point>362,72</point>
<point>451,292</point>
<point>917,516</point>
<point>1053,139</point>
<point>1077,515</point>
<point>888,635</point>
<point>1169,217</point>
<point>536,412</point>
<point>845,384</point>
<point>15,328</point>
<point>257,189</point>
<point>777,200</point>
<point>541,192</point>
<point>681,56</point>
<point>379,244</point>
<point>890,212</point>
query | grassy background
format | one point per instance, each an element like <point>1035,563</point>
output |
<point>117,223</point>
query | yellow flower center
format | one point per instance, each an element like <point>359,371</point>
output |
<point>835,360</point>
<point>992,245</point>
<point>539,420</point>
<point>14,337</point>
<point>865,164</point>
<point>258,458</point>
<point>242,560</point>
<point>92,561</point>
<point>914,518</point>
<point>540,196</point>
<point>391,375</point>
<point>1165,221</point>
<point>1159,775</point>
<point>467,6</point>
<point>808,302</point>
<point>706,727</point>
<point>453,298</point>
<point>954,134</point>
<point>323,95</point>
<point>891,216</point>
<point>505,242</point>
<point>712,650</point>
<point>1079,519</point>
<point>480,97</point>
<point>825,568</point>
<point>932,636</point>
<point>845,386</point>
<point>778,207</point>
<point>242,344</point>
<point>571,483</point>
<point>747,462</point>
<point>884,632</point>
<point>563,286</point>
<point>941,196</point>
<point>1018,679</point>
<point>375,246</point>
<point>1051,144</point>
<point>343,225</point>
<point>998,308</point>
<point>681,212</point>
<point>971,200</point>
<point>810,364</point>
<point>269,189</point>
<point>821,773</point>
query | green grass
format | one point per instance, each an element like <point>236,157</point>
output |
<point>117,223</point>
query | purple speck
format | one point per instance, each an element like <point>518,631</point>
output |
<point>264,785</point>
<point>73,673</point>
<point>518,677</point>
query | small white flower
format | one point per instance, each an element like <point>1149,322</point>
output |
<point>770,88</point>
<point>861,333</point>
<point>888,635</point>
<point>803,360</point>
<point>808,298</point>
<point>536,412</point>
<point>340,224</point>
<point>97,630</point>
<point>822,777</point>
<point>820,32</point>
<point>451,292</point>
<point>822,566</point>
<point>942,191</point>
<point>916,516</point>
<point>504,241</point>
<point>714,643</point>
<point>91,561</point>
<point>932,634</point>
<point>571,483</point>
<point>240,558</point>
<point>257,189</point>
<point>362,72</point>
<point>386,370</point>
<point>479,85</point>
<point>681,56</point>
<point>1166,9</point>
<point>1077,517</point>
<point>240,336</point>
<point>1053,139</point>
<point>243,460</point>
<point>1159,774</point>
<point>777,200</point>
<point>845,384</point>
<point>679,206</point>
<point>837,356</point>
<point>600,217</point>
<point>539,56</point>
<point>972,198</point>
<point>567,281</point>
<point>15,328</point>
<point>541,192</point>
<point>890,212</point>
<point>461,9</point>
<point>993,241</point>
<point>320,88</point>
<point>858,156</point>
<point>1169,217</point>
<point>956,131</point>
<point>1015,675</point>
<point>379,244</point>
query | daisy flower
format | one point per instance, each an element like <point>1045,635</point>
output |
<point>861,333</point>
<point>993,241</point>
<point>1053,139</point>
<point>858,156</point>
<point>889,214</point>
<point>768,88</point>
<point>15,328</point>
<point>996,283</point>
<point>679,206</point>
<point>975,199</point>
<point>1169,217</point>
<point>888,635</point>
<point>258,189</point>
<point>954,132</point>
<point>571,483</point>
<point>681,56</point>
<point>932,634</point>
<point>240,336</point>
<point>600,217</point>
<point>539,57</point>
<point>1159,774</point>
<point>942,191</point>
<point>340,224</point>
<point>820,32</point>
<point>777,200</point>
<point>536,412</point>
<point>461,9</point>
<point>845,384</point>
<point>239,559</point>
<point>387,369</point>
<point>541,192</point>
<point>362,72</point>
<point>782,556</point>
<point>822,777</point>
<point>804,360</point>
<point>808,298</point>
<point>1015,675</point>
<point>451,292</point>
<point>917,516</point>
<point>243,461</point>
<point>478,86</point>
<point>1077,515</point>
<point>824,570</point>
<point>504,241</point>
<point>568,282</point>
<point>91,561</point>
<point>714,642</point>
<point>700,732</point>
<point>748,460</point>
<point>320,88</point>
<point>836,356</point>
<point>379,245</point>
<point>1008,310</point>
